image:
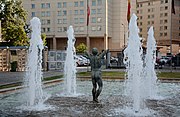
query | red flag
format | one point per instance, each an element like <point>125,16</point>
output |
<point>88,12</point>
<point>129,10</point>
<point>172,8</point>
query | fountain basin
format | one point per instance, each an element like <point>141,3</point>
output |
<point>113,101</point>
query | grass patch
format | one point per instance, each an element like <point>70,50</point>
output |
<point>104,73</point>
<point>168,75</point>
<point>19,84</point>
<point>52,78</point>
<point>9,85</point>
<point>121,74</point>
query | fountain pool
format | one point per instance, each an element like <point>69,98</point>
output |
<point>112,101</point>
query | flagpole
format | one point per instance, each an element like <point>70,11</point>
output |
<point>171,34</point>
<point>87,36</point>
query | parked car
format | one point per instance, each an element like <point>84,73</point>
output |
<point>164,59</point>
<point>84,59</point>
<point>79,61</point>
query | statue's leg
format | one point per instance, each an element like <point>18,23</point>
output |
<point>94,88</point>
<point>100,85</point>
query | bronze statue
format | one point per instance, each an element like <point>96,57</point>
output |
<point>95,60</point>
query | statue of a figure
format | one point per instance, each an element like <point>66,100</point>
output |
<point>95,60</point>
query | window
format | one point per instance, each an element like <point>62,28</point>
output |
<point>140,29</point>
<point>161,15</point>
<point>59,29</point>
<point>148,22</point>
<point>165,21</point>
<point>152,22</point>
<point>140,17</point>
<point>64,13</point>
<point>43,5</point>
<point>93,20</point>
<point>166,1</point>
<point>93,11</point>
<point>64,4</point>
<point>165,14</point>
<point>93,28</point>
<point>99,11</point>
<point>99,28</point>
<point>43,29</point>
<point>59,5</point>
<point>93,2</point>
<point>149,10</point>
<point>99,2</point>
<point>161,28</point>
<point>148,16</point>
<point>161,34</point>
<point>81,3</point>
<point>43,22</point>
<point>75,4</point>
<point>59,21</point>
<point>165,34</point>
<point>137,11</point>
<point>99,19</point>
<point>43,13</point>
<point>48,14</point>
<point>81,20</point>
<point>48,21</point>
<point>33,14</point>
<point>76,29</point>
<point>162,1</point>
<point>48,5</point>
<point>152,16</point>
<point>76,12</point>
<point>48,30</point>
<point>161,8</point>
<point>32,6</point>
<point>81,29</point>
<point>59,13</point>
<point>165,27</point>
<point>76,20</point>
<point>64,21</point>
<point>81,12</point>
<point>166,7</point>
<point>64,29</point>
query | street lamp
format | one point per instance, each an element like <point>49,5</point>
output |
<point>124,33</point>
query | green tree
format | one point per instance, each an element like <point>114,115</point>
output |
<point>13,18</point>
<point>81,48</point>
<point>43,37</point>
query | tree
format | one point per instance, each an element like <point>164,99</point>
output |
<point>81,48</point>
<point>43,37</point>
<point>13,18</point>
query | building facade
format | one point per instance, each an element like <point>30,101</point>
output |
<point>107,22</point>
<point>158,13</point>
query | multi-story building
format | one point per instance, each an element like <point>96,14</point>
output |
<point>107,25</point>
<point>157,13</point>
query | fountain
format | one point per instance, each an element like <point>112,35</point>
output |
<point>113,100</point>
<point>70,65</point>
<point>33,78</point>
<point>150,77</point>
<point>134,65</point>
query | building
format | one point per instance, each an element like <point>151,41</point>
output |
<point>107,22</point>
<point>157,13</point>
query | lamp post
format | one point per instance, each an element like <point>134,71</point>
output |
<point>124,33</point>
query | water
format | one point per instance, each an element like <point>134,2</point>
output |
<point>33,77</point>
<point>150,77</point>
<point>70,65</point>
<point>113,102</point>
<point>134,65</point>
